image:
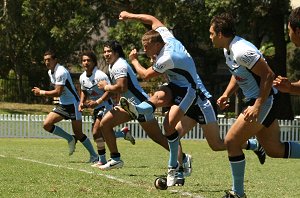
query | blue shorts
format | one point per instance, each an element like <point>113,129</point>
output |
<point>268,111</point>
<point>204,111</point>
<point>184,97</point>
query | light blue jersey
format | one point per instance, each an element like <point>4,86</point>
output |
<point>61,76</point>
<point>89,86</point>
<point>121,69</point>
<point>175,61</point>
<point>241,58</point>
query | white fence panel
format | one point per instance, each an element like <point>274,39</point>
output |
<point>31,126</point>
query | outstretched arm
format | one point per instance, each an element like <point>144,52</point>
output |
<point>144,18</point>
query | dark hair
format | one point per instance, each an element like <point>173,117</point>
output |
<point>294,18</point>
<point>115,46</point>
<point>224,23</point>
<point>91,55</point>
<point>51,53</point>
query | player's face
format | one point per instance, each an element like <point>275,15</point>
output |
<point>50,62</point>
<point>214,37</point>
<point>87,64</point>
<point>109,55</point>
<point>294,35</point>
<point>150,48</point>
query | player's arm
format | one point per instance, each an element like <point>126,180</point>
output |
<point>52,93</point>
<point>232,87</point>
<point>284,85</point>
<point>144,18</point>
<point>141,71</point>
<point>119,87</point>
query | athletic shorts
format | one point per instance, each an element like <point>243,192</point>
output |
<point>100,112</point>
<point>184,97</point>
<point>68,111</point>
<point>204,111</point>
<point>268,111</point>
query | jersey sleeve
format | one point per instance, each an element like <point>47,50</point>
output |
<point>61,78</point>
<point>119,71</point>
<point>247,57</point>
<point>163,63</point>
<point>99,76</point>
<point>81,82</point>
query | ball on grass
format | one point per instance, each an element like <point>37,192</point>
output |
<point>161,183</point>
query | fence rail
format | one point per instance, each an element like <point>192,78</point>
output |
<point>30,126</point>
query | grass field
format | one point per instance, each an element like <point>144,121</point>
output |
<point>42,168</point>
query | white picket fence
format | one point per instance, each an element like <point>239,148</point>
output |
<point>30,126</point>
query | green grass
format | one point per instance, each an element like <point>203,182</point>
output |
<point>42,168</point>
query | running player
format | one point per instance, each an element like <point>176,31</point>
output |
<point>253,75</point>
<point>125,83</point>
<point>92,97</point>
<point>67,108</point>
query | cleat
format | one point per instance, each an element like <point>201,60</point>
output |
<point>172,176</point>
<point>127,135</point>
<point>187,166</point>
<point>180,177</point>
<point>232,194</point>
<point>129,108</point>
<point>261,154</point>
<point>72,146</point>
<point>97,164</point>
<point>93,159</point>
<point>112,164</point>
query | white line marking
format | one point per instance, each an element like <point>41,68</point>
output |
<point>100,174</point>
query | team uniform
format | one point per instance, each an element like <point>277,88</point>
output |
<point>241,58</point>
<point>89,86</point>
<point>135,93</point>
<point>178,65</point>
<point>69,99</point>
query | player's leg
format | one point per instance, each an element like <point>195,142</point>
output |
<point>77,129</point>
<point>270,139</point>
<point>49,125</point>
<point>100,143</point>
<point>111,119</point>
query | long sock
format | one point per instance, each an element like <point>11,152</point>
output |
<point>102,157</point>
<point>252,144</point>
<point>294,150</point>
<point>145,108</point>
<point>61,133</point>
<point>115,156</point>
<point>173,141</point>
<point>119,134</point>
<point>237,165</point>
<point>88,145</point>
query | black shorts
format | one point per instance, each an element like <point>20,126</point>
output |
<point>68,111</point>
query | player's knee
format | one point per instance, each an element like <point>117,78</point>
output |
<point>48,127</point>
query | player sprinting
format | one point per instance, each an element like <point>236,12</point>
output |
<point>252,74</point>
<point>92,97</point>
<point>67,108</point>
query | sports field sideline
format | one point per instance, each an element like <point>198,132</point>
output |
<point>42,168</point>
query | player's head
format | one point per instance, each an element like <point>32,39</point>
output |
<point>50,59</point>
<point>88,60</point>
<point>152,43</point>
<point>112,51</point>
<point>221,26</point>
<point>294,26</point>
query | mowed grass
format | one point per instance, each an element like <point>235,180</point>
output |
<point>42,168</point>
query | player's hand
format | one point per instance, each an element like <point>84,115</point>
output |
<point>36,91</point>
<point>133,55</point>
<point>282,84</point>
<point>81,107</point>
<point>222,102</point>
<point>251,114</point>
<point>101,84</point>
<point>91,104</point>
<point>124,15</point>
